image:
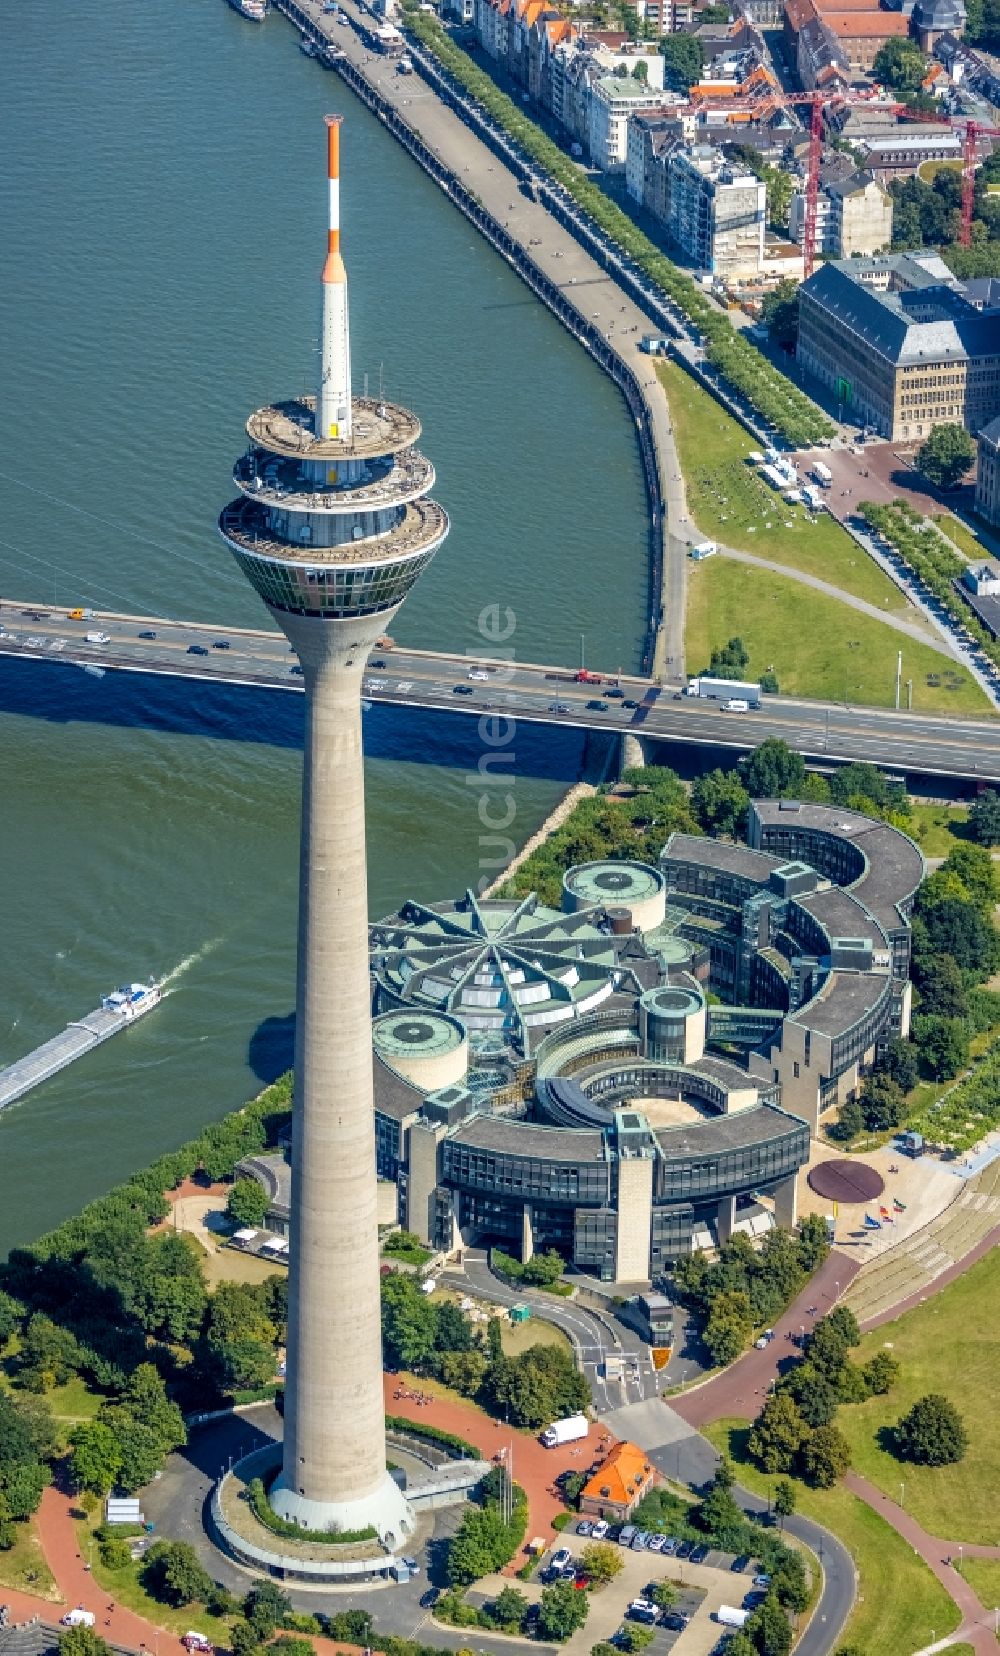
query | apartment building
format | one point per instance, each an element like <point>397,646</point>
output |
<point>716,212</point>
<point>652,139</point>
<point>615,100</point>
<point>901,344</point>
<point>853,215</point>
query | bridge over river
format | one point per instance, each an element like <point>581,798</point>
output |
<point>908,743</point>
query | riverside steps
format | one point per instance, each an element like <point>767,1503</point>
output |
<point>115,1013</point>
<point>499,193</point>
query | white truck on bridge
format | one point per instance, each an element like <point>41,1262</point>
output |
<point>719,689</point>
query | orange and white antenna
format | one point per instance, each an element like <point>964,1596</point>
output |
<point>333,408</point>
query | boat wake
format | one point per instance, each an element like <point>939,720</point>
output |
<point>189,961</point>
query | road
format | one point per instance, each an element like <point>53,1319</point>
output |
<point>683,1454</point>
<point>909,743</point>
<point>595,1336</point>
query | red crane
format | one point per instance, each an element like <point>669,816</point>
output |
<point>974,130</point>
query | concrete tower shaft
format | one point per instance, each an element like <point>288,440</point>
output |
<point>332,528</point>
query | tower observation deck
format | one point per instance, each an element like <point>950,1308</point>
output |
<point>332,526</point>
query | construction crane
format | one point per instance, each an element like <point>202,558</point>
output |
<point>974,130</point>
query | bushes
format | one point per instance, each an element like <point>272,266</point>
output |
<point>932,559</point>
<point>463,1450</point>
<point>265,1513</point>
<point>486,1540</point>
<point>745,1288</point>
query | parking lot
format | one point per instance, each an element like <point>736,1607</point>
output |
<point>701,1589</point>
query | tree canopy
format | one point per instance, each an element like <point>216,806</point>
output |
<point>946,455</point>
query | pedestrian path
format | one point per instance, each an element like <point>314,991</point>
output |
<point>978,1623</point>
<point>952,1242</point>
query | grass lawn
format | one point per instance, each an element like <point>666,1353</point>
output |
<point>937,829</point>
<point>728,500</point>
<point>125,1588</point>
<point>23,1566</point>
<point>517,1337</point>
<point>965,538</point>
<point>817,647</point>
<point>950,1344</point>
<point>900,1603</point>
<point>230,1265</point>
<point>983,1576</point>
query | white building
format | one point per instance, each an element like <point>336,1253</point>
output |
<point>717,213</point>
<point>613,99</point>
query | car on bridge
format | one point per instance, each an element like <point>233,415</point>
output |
<point>598,706</point>
<point>196,649</point>
<point>220,644</point>
<point>147,634</point>
<point>462,690</point>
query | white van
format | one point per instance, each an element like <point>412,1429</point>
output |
<point>79,1618</point>
<point>736,706</point>
<point>97,638</point>
<point>730,1617</point>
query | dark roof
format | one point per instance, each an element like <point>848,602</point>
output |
<point>727,1132</point>
<point>885,323</point>
<point>854,184</point>
<point>842,915</point>
<point>394,1095</point>
<point>519,1138</point>
<point>842,1002</point>
<point>991,433</point>
<point>894,866</point>
<point>704,852</point>
<point>39,1638</point>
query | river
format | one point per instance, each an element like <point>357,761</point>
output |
<point>162,200</point>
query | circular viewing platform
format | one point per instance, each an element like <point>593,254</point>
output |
<point>281,483</point>
<point>377,428</point>
<point>421,529</point>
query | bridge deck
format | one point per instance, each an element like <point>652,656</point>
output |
<point>910,743</point>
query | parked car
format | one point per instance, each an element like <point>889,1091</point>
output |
<point>762,1581</point>
<point>639,1541</point>
<point>675,1620</point>
<point>740,1563</point>
<point>430,1598</point>
<point>561,1556</point>
<point>699,1555</point>
<point>684,1549</point>
<point>585,1527</point>
<point>657,1543</point>
<point>670,1545</point>
<point>599,1529</point>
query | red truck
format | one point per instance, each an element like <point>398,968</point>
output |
<point>583,677</point>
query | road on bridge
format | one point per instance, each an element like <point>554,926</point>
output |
<point>909,743</point>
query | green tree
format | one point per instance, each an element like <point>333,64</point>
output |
<point>11,1314</point>
<point>900,64</point>
<point>684,58</point>
<point>977,872</point>
<point>145,1397</point>
<point>777,1434</point>
<point>850,1121</point>
<point>243,1641</point>
<point>664,1595</point>
<point>561,1611</point>
<point>720,802</point>
<point>463,1370</point>
<point>825,1454</point>
<point>774,771</point>
<point>932,1433</point>
<point>95,1457</point>
<point>769,1629</point>
<point>115,1553</point>
<point>409,1322</point>
<point>882,1104</point>
<point>815,1395</point>
<point>265,1607</point>
<point>780,313</point>
<point>943,1045</point>
<point>984,818</point>
<point>813,1242</point>
<point>173,1572</point>
<point>784,1499</point>
<point>943,992</point>
<point>740,1644</point>
<point>601,1562</point>
<point>946,455</point>
<point>880,1373</point>
<point>900,1062</point>
<point>82,1641</point>
<point>140,1453</point>
<point>247,1203</point>
<point>510,1608</point>
<point>728,1328</point>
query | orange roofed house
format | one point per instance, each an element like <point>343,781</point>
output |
<point>619,1484</point>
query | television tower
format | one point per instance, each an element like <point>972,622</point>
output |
<point>332,528</point>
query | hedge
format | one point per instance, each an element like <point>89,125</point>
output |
<point>448,1440</point>
<point>265,1513</point>
<point>933,561</point>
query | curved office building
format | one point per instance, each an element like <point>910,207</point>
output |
<point>549,1079</point>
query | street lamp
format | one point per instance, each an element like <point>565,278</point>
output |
<point>902,1492</point>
